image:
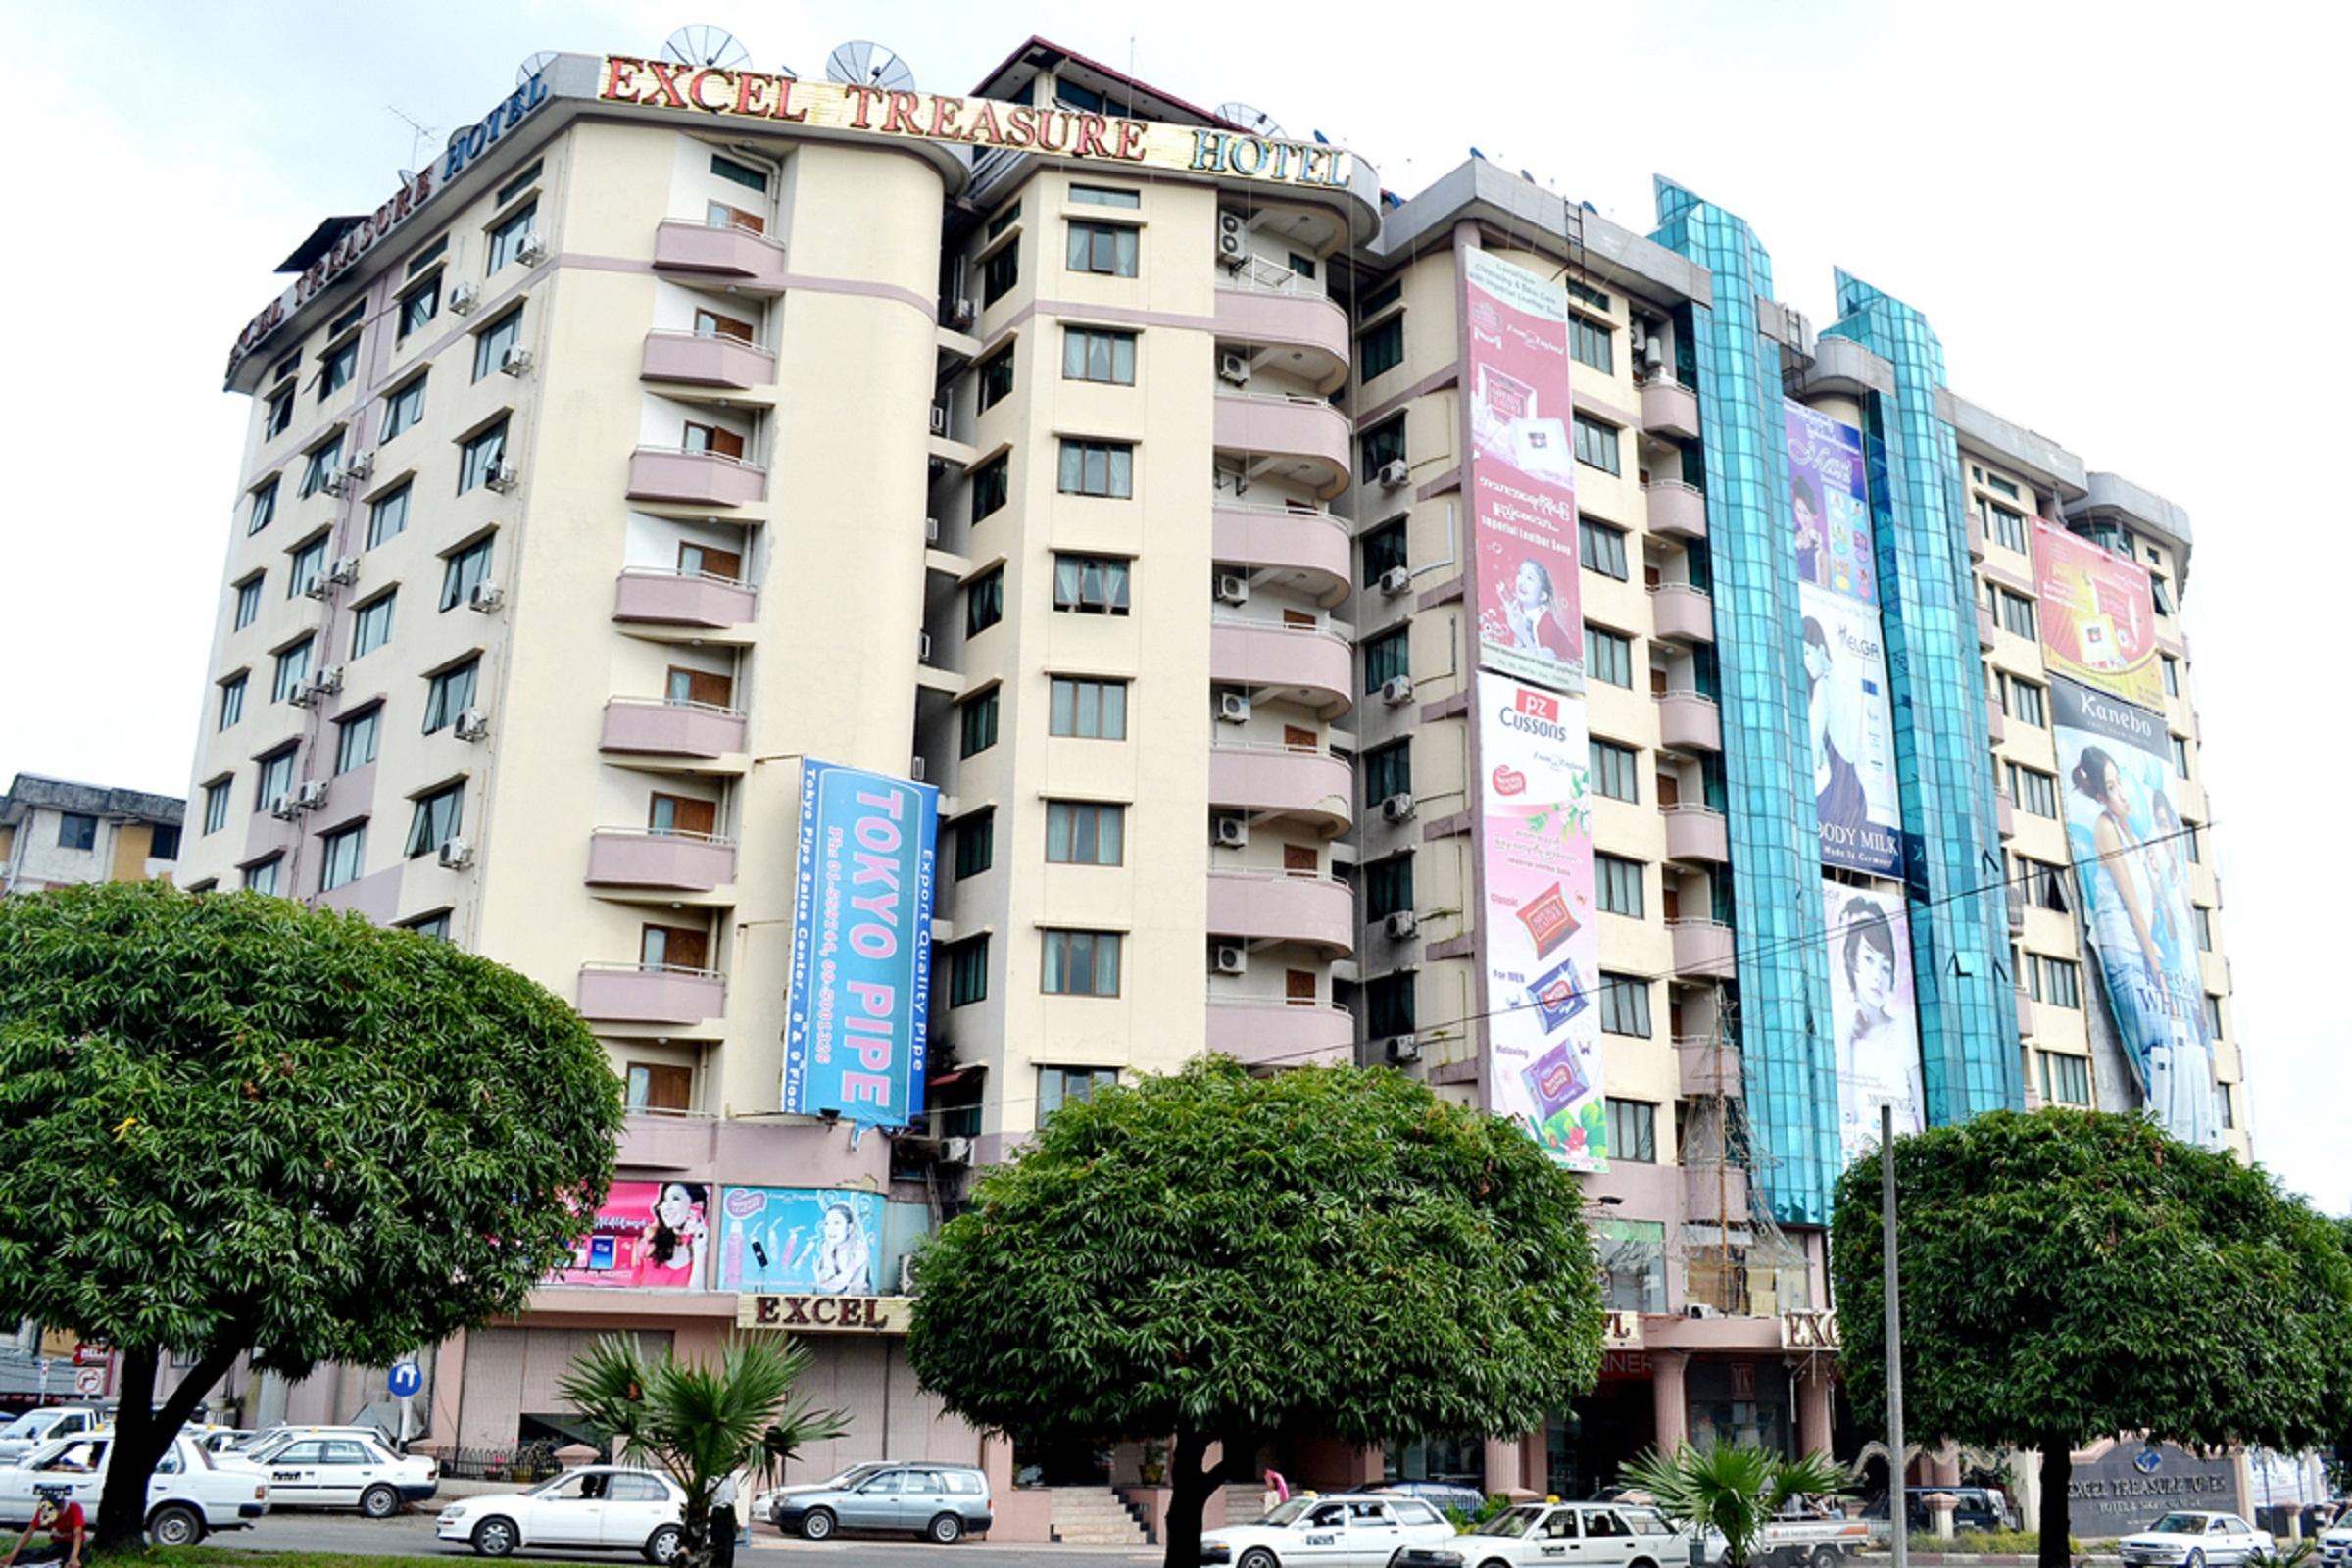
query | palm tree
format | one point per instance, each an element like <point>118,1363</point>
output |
<point>1730,1489</point>
<point>701,1423</point>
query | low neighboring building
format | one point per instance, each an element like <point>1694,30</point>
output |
<point>55,833</point>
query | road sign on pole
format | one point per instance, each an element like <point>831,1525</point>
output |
<point>89,1381</point>
<point>406,1380</point>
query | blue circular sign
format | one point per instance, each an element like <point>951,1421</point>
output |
<point>407,1378</point>
<point>2147,1462</point>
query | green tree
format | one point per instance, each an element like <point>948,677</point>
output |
<point>229,1124</point>
<point>1225,1259</point>
<point>2069,1275</point>
<point>699,1422</point>
<point>1730,1490</point>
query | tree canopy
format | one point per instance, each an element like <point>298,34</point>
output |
<point>1224,1257</point>
<point>2070,1275</point>
<point>230,1124</point>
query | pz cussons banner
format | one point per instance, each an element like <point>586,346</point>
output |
<point>2098,616</point>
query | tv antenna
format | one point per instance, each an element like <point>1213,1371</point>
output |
<point>419,134</point>
<point>704,45</point>
<point>531,69</point>
<point>1252,118</point>
<point>869,65</point>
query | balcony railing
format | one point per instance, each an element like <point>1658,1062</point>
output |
<point>1283,906</point>
<point>1682,612</point>
<point>706,358</point>
<point>660,596</point>
<point>702,477</point>
<point>651,992</point>
<point>679,729</point>
<point>1277,1032</point>
<point>694,862</point>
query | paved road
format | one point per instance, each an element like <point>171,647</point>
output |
<point>411,1535</point>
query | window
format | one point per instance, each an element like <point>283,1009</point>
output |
<point>2162,592</point>
<point>449,694</point>
<point>1634,1131</point>
<point>1091,584</point>
<point>1387,658</point>
<point>507,237</point>
<point>419,305</point>
<point>1388,770</point>
<point>2227,1108</point>
<point>976,843</point>
<point>337,366</point>
<point>1389,1008</point>
<point>518,185</point>
<point>481,456</point>
<point>1389,887</point>
<point>1088,354</point>
<point>998,223</point>
<point>2017,613</point>
<point>1597,444</point>
<point>215,806</point>
<point>2065,1080</point>
<point>659,1086</point>
<point>2213,1015</point>
<point>995,378</point>
<point>305,562</point>
<point>978,723</point>
<point>2026,702</point>
<point>1381,349</point>
<point>355,740</point>
<point>1613,772</point>
<point>371,625</point>
<point>162,841</point>
<point>249,603</point>
<point>2004,486</point>
<point>75,831</point>
<point>2008,526</point>
<point>2034,791</point>
<point>1384,551</point>
<point>319,461</point>
<point>1081,963</point>
<point>1085,833</point>
<point>1106,196</point>
<point>293,667</point>
<point>1090,710</point>
<point>274,776</point>
<point>2057,981</point>
<point>709,323</point>
<point>983,601</point>
<point>388,517</point>
<point>992,486</point>
<point>439,817</point>
<point>263,505</point>
<point>2044,884</point>
<point>999,273</point>
<point>1601,549</point>
<point>465,570</point>
<point>2179,755</point>
<point>2172,675</point>
<point>232,700</point>
<point>1620,885</point>
<point>2204,919</point>
<point>280,416</point>
<point>1106,248</point>
<point>2189,835</point>
<point>1098,469</point>
<point>1633,1260</point>
<point>426,257</point>
<point>491,343</point>
<point>346,852</point>
<point>967,972</point>
<point>402,408</point>
<point>1624,1004</point>
<point>1382,445</point>
<point>262,876</point>
<point>739,173</point>
<point>1609,657</point>
<point>1057,1086</point>
<point>1593,343</point>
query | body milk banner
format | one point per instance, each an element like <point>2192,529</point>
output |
<point>2125,835</point>
<point>2098,616</point>
<point>1877,1027</point>
<point>861,947</point>
<point>1543,951</point>
<point>1854,790</point>
<point>1522,475</point>
<point>783,1240</point>
<point>1828,503</point>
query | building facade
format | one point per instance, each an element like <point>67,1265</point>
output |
<point>1114,473</point>
<point>54,834</point>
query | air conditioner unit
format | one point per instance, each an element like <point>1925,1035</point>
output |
<point>311,794</point>
<point>1229,958</point>
<point>951,1152</point>
<point>1399,925</point>
<point>906,1259</point>
<point>1393,475</point>
<point>1396,580</point>
<point>456,854</point>
<point>1702,1309</point>
<point>503,478</point>
<point>1232,588</point>
<point>314,585</point>
<point>1232,708</point>
<point>326,682</point>
<point>1233,367</point>
<point>285,807</point>
<point>1402,1050</point>
<point>345,571</point>
<point>1233,239</point>
<point>1396,690</point>
<point>517,360</point>
<point>1232,832</point>
<point>485,597</point>
<point>939,418</point>
<point>964,315</point>
<point>922,647</point>
<point>336,481</point>
<point>464,298</point>
<point>474,724</point>
<point>930,530</point>
<point>1397,807</point>
<point>531,249</point>
<point>914,770</point>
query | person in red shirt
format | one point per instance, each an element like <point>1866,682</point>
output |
<point>68,1529</point>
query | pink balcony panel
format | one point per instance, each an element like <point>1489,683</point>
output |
<point>1976,537</point>
<point>674,729</point>
<point>1668,409</point>
<point>1290,783</point>
<point>1312,544</point>
<point>1690,722</point>
<point>678,599</point>
<point>1996,718</point>
<point>1315,662</point>
<point>1307,431</point>
<point>1265,1031</point>
<point>2004,816</point>
<point>1708,1067</point>
<point>1695,833</point>
<point>711,360</point>
<point>1702,949</point>
<point>1682,612</point>
<point>687,862</point>
<point>1716,1194</point>
<point>1677,508</point>
<point>704,478</point>
<point>629,994</point>
<point>2025,1014</point>
<point>1275,907</point>
<point>1305,322</point>
<point>1985,624</point>
<point>750,261</point>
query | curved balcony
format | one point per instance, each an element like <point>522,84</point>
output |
<point>720,252</point>
<point>1689,721</point>
<point>1307,332</point>
<point>1697,833</point>
<point>1677,508</point>
<point>702,479</point>
<point>1307,663</point>
<point>672,729</point>
<point>1301,548</point>
<point>1682,612</point>
<point>1283,781</point>
<point>658,597</point>
<point>1273,907</point>
<point>1305,439</point>
<point>1268,1032</point>
<point>1986,634</point>
<point>639,992</point>
<point>1715,1195</point>
<point>1668,409</point>
<point>691,863</point>
<point>1703,949</point>
<point>1708,1066</point>
<point>706,360</point>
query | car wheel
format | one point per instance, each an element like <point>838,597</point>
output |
<point>495,1537</point>
<point>945,1529</point>
<point>2197,1559</point>
<point>175,1525</point>
<point>1494,1562</point>
<point>1827,1557</point>
<point>661,1547</point>
<point>379,1503</point>
<point>1257,1557</point>
<point>818,1524</point>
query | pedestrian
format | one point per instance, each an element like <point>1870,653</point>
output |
<point>723,1522</point>
<point>66,1525</point>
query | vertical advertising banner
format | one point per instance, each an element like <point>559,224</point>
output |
<point>1854,790</point>
<point>1522,475</point>
<point>2098,616</point>
<point>1828,503</point>
<point>861,946</point>
<point>647,1235</point>
<point>2125,835</point>
<point>1877,1027</point>
<point>782,1240</point>
<point>1543,949</point>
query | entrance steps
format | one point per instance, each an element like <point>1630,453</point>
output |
<point>1095,1517</point>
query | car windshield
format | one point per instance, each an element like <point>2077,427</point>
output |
<point>31,1423</point>
<point>1511,1523</point>
<point>854,1474</point>
<point>2179,1524</point>
<point>1290,1512</point>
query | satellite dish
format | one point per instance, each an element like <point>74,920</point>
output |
<point>1257,121</point>
<point>701,45</point>
<point>531,69</point>
<point>783,70</point>
<point>408,176</point>
<point>869,65</point>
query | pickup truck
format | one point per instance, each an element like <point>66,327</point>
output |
<point>187,1496</point>
<point>1796,1542</point>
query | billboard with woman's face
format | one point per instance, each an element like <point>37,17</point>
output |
<point>1828,503</point>
<point>784,1240</point>
<point>1876,1026</point>
<point>1852,720</point>
<point>647,1235</point>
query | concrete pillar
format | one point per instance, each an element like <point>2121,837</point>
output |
<point>1943,1467</point>
<point>444,1398</point>
<point>1503,1466</point>
<point>1672,1407</point>
<point>1813,1408</point>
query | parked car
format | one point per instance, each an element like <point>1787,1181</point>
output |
<point>218,1440</point>
<point>1606,1535</point>
<point>1344,1530</point>
<point>764,1507</point>
<point>599,1508</point>
<point>33,1428</point>
<point>939,1502</point>
<point>1453,1495</point>
<point>188,1497</point>
<point>2335,1543</point>
<point>2195,1540</point>
<point>272,1437</point>
<point>346,1471</point>
<point>1980,1508</point>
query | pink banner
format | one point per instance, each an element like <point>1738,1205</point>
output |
<point>2098,616</point>
<point>648,1235</point>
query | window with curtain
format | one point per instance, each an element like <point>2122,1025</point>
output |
<point>438,819</point>
<point>1112,249</point>
<point>1085,833</point>
<point>1090,710</point>
<point>992,486</point>
<point>1098,469</point>
<point>388,516</point>
<point>1634,1131</point>
<point>967,972</point>
<point>1624,1004</point>
<point>1091,354</point>
<point>1091,584</point>
<point>344,854</point>
<point>983,601</point>
<point>1389,887</point>
<point>1388,770</point>
<point>1388,656</point>
<point>215,805</point>
<point>1601,549</point>
<point>977,724</point>
<point>1081,963</point>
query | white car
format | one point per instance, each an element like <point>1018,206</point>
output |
<point>601,1507</point>
<point>33,1428</point>
<point>2336,1543</point>
<point>2195,1540</point>
<point>1347,1530</point>
<point>272,1437</point>
<point>344,1471</point>
<point>188,1497</point>
<point>1610,1535</point>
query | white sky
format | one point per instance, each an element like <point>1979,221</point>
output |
<point>2121,221</point>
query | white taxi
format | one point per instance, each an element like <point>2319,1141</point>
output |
<point>2186,1540</point>
<point>1347,1530</point>
<point>606,1508</point>
<point>340,1471</point>
<point>187,1496</point>
<point>2336,1543</point>
<point>1592,1535</point>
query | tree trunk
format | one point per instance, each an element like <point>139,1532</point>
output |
<point>1190,1485</point>
<point>2057,1469</point>
<point>694,1549</point>
<point>142,1435</point>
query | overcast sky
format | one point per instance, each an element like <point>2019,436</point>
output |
<point>2123,225</point>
